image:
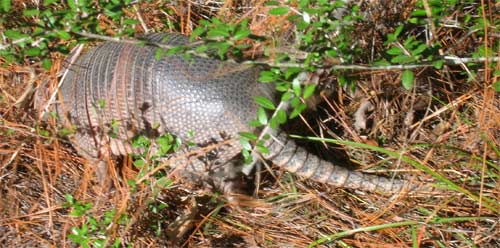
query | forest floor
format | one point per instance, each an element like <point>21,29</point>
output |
<point>444,130</point>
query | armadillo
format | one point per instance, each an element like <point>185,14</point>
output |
<point>126,89</point>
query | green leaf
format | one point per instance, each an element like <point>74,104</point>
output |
<point>271,3</point>
<point>204,23</point>
<point>438,64</point>
<point>247,135</point>
<point>196,33</point>
<point>281,116</point>
<point>13,34</point>
<point>410,42</point>
<point>217,32</point>
<point>331,53</point>
<point>63,35</point>
<point>298,110</point>
<point>141,142</point>
<point>381,62</point>
<point>413,20</point>
<point>158,53</point>
<point>70,199</point>
<point>278,118</point>
<point>245,144</point>
<point>130,21</point>
<point>398,30</point>
<point>394,51</point>
<point>279,11</point>
<point>33,51</point>
<point>264,102</point>
<point>101,103</point>
<point>247,158</point>
<point>222,48</point>
<point>165,144</point>
<point>286,96</point>
<point>273,123</point>
<point>408,79</point>
<point>243,24</point>
<point>496,86</point>
<point>262,148</point>
<point>30,12</point>
<point>282,87</point>
<point>292,71</point>
<point>343,81</point>
<point>254,123</point>
<point>66,131</point>
<point>173,51</point>
<point>393,37</point>
<point>46,64</point>
<point>267,77</point>
<point>262,116</point>
<point>419,13</point>
<point>242,33</point>
<point>139,163</point>
<point>303,4</point>
<point>403,59</point>
<point>242,46</point>
<point>5,5</point>
<point>72,5</point>
<point>309,90</point>
<point>110,10</point>
<point>419,49</point>
<point>295,102</point>
<point>48,2</point>
<point>8,57</point>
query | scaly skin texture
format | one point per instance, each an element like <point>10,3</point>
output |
<point>123,90</point>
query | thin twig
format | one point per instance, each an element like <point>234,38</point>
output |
<point>2,47</point>
<point>141,20</point>
<point>448,60</point>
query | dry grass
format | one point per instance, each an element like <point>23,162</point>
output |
<point>444,124</point>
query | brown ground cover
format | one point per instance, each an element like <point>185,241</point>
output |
<point>447,123</point>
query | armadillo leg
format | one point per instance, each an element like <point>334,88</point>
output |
<point>211,166</point>
<point>96,157</point>
<point>101,172</point>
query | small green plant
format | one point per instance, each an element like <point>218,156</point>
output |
<point>220,39</point>
<point>39,27</point>
<point>162,145</point>
<point>78,208</point>
<point>43,132</point>
<point>293,95</point>
<point>496,85</point>
<point>418,49</point>
<point>114,128</point>
<point>151,154</point>
<point>93,232</point>
<point>410,51</point>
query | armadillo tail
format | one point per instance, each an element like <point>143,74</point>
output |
<point>286,154</point>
